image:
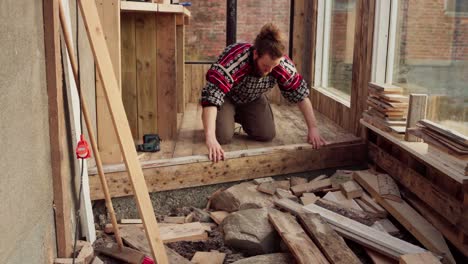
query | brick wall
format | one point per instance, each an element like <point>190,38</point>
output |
<point>428,33</point>
<point>206,34</point>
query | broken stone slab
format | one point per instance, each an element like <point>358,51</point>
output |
<point>241,196</point>
<point>250,231</point>
<point>276,258</point>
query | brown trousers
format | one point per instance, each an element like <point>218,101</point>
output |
<point>255,117</point>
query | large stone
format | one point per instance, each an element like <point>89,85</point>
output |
<point>250,231</point>
<point>276,258</point>
<point>241,196</point>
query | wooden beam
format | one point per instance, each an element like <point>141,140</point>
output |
<point>109,15</point>
<point>57,129</point>
<point>131,6</point>
<point>301,246</point>
<point>180,68</point>
<point>122,129</point>
<point>417,225</point>
<point>362,60</point>
<point>332,245</point>
<point>199,170</point>
<point>416,111</point>
<point>166,75</point>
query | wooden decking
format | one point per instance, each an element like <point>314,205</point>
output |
<point>290,129</point>
<point>183,162</point>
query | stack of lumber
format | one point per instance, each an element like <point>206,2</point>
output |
<point>452,143</point>
<point>388,108</point>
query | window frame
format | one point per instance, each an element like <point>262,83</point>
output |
<point>322,55</point>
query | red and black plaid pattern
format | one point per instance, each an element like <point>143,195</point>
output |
<point>232,76</point>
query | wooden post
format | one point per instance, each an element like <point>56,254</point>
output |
<point>416,111</point>
<point>109,14</point>
<point>180,68</point>
<point>57,130</point>
<point>122,129</point>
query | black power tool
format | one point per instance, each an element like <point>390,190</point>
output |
<point>151,143</point>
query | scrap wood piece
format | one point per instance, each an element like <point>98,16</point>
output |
<point>351,189</point>
<point>318,178</point>
<point>300,245</point>
<point>218,216</point>
<point>420,258</point>
<point>86,251</point>
<point>368,236</point>
<point>417,225</point>
<point>138,242</point>
<point>339,198</point>
<point>297,181</point>
<point>189,218</point>
<point>281,193</point>
<point>126,254</point>
<point>262,180</point>
<point>97,260</point>
<point>341,176</point>
<point>331,244</point>
<point>131,221</point>
<point>169,233</point>
<point>359,216</point>
<point>311,187</point>
<point>308,198</point>
<point>388,187</point>
<point>270,187</point>
<point>365,198</point>
<point>213,257</point>
<point>174,219</point>
<point>68,261</point>
<point>379,258</point>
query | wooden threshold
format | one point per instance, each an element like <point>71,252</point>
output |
<point>198,170</point>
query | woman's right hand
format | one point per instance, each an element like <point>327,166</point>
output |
<point>216,152</point>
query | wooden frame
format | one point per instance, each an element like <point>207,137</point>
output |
<point>192,171</point>
<point>344,114</point>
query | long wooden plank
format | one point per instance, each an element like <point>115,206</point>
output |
<point>394,247</point>
<point>109,16</point>
<point>407,216</point>
<point>201,171</point>
<point>145,43</point>
<point>57,129</point>
<point>301,246</point>
<point>129,71</point>
<point>166,75</point>
<point>122,129</point>
<point>365,235</point>
<point>332,245</point>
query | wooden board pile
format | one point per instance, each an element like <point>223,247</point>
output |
<point>388,108</point>
<point>312,218</point>
<point>450,142</point>
<point>351,205</point>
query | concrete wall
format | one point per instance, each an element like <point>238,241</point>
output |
<point>26,218</point>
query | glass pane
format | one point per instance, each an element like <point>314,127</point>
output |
<point>340,62</point>
<point>253,14</point>
<point>205,36</point>
<point>431,57</point>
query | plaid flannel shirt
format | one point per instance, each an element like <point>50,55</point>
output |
<point>232,76</point>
